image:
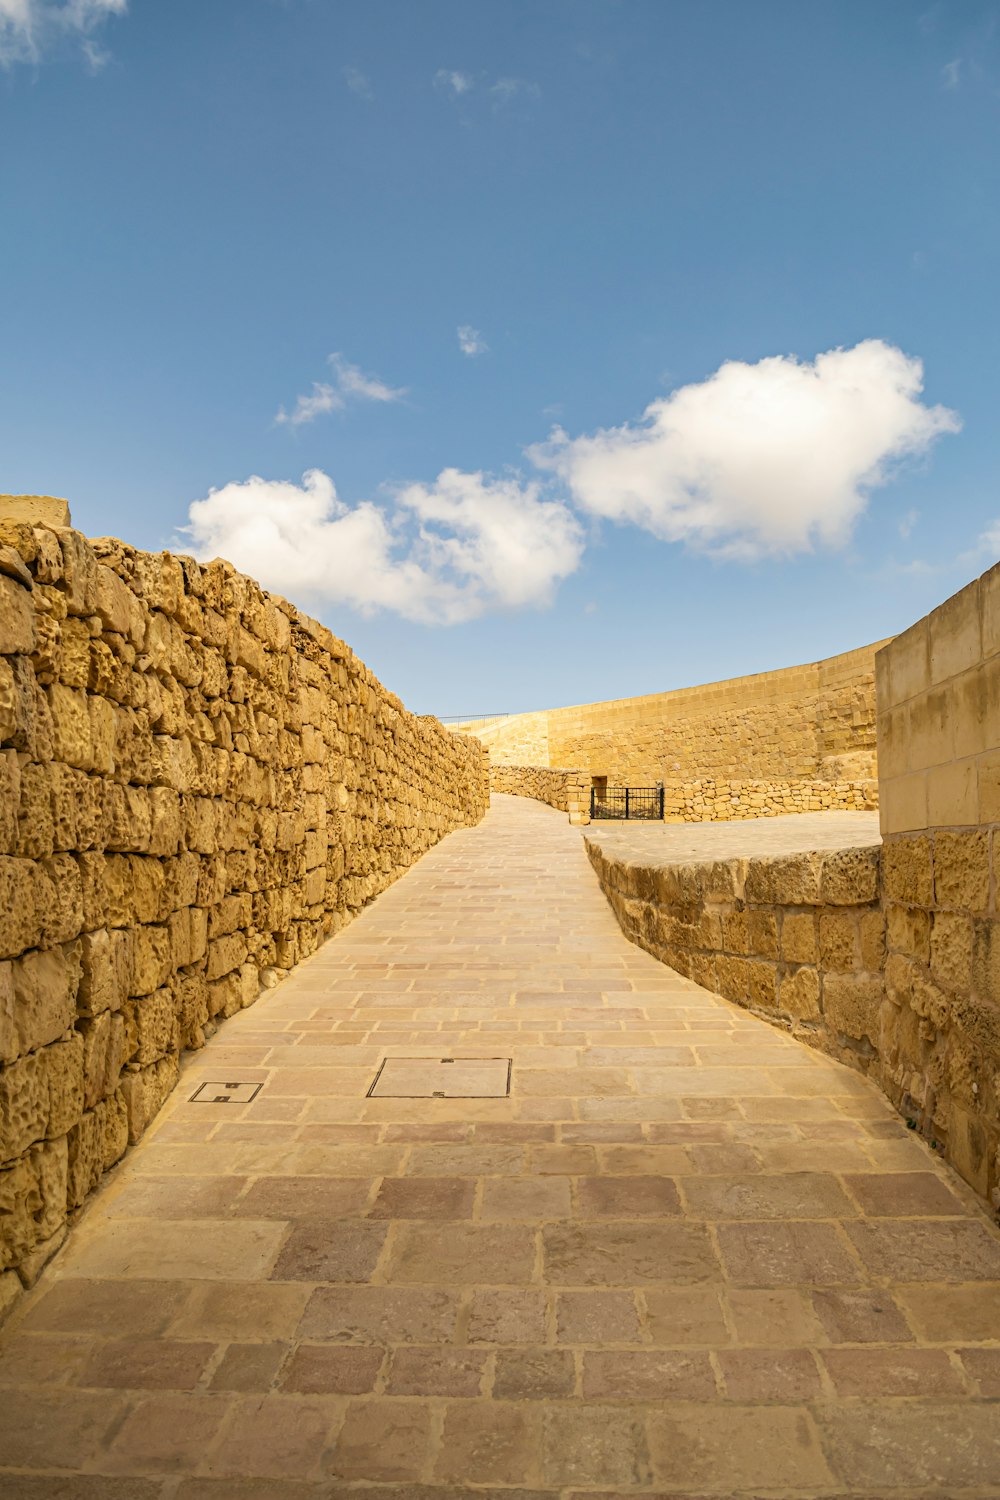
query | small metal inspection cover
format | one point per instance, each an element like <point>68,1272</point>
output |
<point>442,1078</point>
<point>225,1093</point>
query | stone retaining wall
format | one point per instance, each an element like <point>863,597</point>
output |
<point>198,783</point>
<point>705,800</point>
<point>798,938</point>
<point>566,790</point>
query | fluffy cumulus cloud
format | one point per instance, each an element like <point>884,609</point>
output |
<point>349,384</point>
<point>29,27</point>
<point>763,459</point>
<point>442,554</point>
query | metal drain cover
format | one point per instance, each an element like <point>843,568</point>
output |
<point>225,1093</point>
<point>442,1078</point>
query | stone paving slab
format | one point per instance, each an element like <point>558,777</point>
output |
<point>686,1257</point>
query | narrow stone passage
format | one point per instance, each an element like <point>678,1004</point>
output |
<point>686,1255</point>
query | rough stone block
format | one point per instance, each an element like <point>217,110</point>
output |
<point>23,890</point>
<point>45,985</point>
<point>799,943</point>
<point>951,951</point>
<point>762,933</point>
<point>790,880</point>
<point>144,1091</point>
<point>908,930</point>
<point>103,1055</point>
<point>907,872</point>
<point>962,870</point>
<point>35,510</point>
<point>851,1005</point>
<point>838,941</point>
<point>151,958</point>
<point>17,618</point>
<point>41,1095</point>
<point>798,994</point>
<point>850,877</point>
<point>151,1027</point>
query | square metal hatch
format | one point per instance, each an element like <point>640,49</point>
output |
<point>225,1093</point>
<point>442,1078</point>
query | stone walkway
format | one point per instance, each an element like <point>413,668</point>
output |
<point>686,1256</point>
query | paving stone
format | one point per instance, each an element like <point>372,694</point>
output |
<point>319,1250</point>
<point>275,1436</point>
<point>488,1442</point>
<point>926,1444</point>
<point>533,1374</point>
<point>894,1372</point>
<point>424,1198</point>
<point>860,1317</point>
<point>594,1445</point>
<point>382,1439</point>
<point>765,1446</point>
<point>155,1364</point>
<point>648,1375</point>
<point>597,1318</point>
<point>331,1369</point>
<point>469,1253</point>
<point>249,1367</point>
<point>501,1316</point>
<point>627,1197</point>
<point>627,1254</point>
<point>436,1372</point>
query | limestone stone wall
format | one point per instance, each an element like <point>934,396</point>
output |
<point>798,939</point>
<point>704,800</point>
<point>807,723</point>
<point>567,790</point>
<point>939,752</point>
<point>197,784</point>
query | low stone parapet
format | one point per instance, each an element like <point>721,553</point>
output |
<point>566,790</point>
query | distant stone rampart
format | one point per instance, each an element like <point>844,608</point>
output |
<point>813,723</point>
<point>198,783</point>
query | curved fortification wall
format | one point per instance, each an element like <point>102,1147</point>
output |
<point>198,783</point>
<point>770,736</point>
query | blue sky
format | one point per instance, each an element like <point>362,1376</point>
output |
<point>251,238</point>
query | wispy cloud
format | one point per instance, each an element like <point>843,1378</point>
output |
<point>506,89</point>
<point>907,523</point>
<point>471,341</point>
<point>31,28</point>
<point>359,83</point>
<point>950,73</point>
<point>758,460</point>
<point>502,91</point>
<point>349,383</point>
<point>453,81</point>
<point>440,553</point>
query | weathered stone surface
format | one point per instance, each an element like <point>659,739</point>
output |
<point>197,783</point>
<point>34,510</point>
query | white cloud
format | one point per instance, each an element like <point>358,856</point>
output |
<point>446,552</point>
<point>763,459</point>
<point>907,523</point>
<point>506,89</point>
<point>29,27</point>
<point>359,83</point>
<point>471,341</point>
<point>951,72</point>
<point>350,383</point>
<point>451,78</point>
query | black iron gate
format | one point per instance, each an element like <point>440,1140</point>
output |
<point>626,802</point>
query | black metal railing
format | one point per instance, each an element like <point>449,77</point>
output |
<point>627,802</point>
